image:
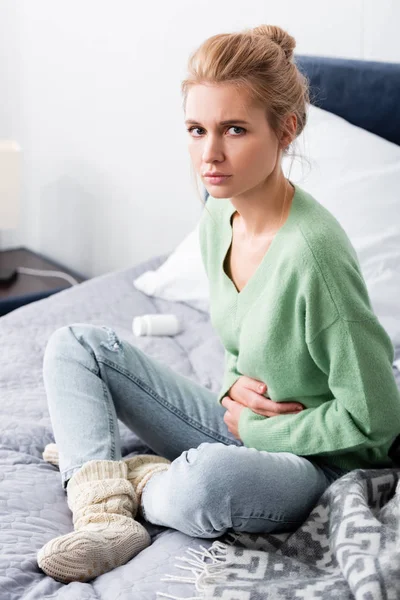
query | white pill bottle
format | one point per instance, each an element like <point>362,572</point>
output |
<point>164,324</point>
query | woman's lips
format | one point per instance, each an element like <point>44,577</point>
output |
<point>217,179</point>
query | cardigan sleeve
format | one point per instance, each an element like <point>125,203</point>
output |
<point>364,412</point>
<point>230,374</point>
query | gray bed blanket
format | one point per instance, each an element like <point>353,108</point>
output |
<point>349,547</point>
<point>33,506</point>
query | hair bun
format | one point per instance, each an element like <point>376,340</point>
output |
<point>279,36</point>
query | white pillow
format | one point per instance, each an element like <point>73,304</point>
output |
<point>182,277</point>
<point>355,174</point>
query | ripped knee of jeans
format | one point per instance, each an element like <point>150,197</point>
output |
<point>113,342</point>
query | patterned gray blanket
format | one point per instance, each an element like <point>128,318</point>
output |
<point>349,547</point>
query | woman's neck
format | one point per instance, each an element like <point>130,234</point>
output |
<point>262,212</point>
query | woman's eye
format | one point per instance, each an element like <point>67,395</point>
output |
<point>236,127</point>
<point>190,129</point>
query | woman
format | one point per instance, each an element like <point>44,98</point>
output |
<point>302,343</point>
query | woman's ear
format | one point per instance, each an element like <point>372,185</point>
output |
<point>289,131</point>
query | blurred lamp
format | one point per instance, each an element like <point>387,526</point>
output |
<point>10,166</point>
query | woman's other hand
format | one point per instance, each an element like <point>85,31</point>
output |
<point>232,415</point>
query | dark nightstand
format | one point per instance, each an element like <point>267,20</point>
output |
<point>29,288</point>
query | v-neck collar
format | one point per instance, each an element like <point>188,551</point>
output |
<point>244,297</point>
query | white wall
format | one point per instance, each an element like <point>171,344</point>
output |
<point>92,95</point>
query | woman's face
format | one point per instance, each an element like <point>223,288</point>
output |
<point>248,152</point>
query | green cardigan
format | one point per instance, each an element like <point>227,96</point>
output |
<point>304,325</point>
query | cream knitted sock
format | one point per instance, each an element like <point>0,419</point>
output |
<point>104,504</point>
<point>141,468</point>
<point>50,454</point>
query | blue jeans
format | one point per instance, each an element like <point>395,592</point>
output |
<point>93,378</point>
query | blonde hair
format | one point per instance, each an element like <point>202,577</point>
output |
<point>258,61</point>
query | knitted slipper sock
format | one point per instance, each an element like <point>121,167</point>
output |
<point>141,468</point>
<point>104,504</point>
<point>50,454</point>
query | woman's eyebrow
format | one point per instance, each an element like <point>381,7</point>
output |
<point>230,122</point>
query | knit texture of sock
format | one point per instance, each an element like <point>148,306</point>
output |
<point>50,454</point>
<point>103,503</point>
<point>141,468</point>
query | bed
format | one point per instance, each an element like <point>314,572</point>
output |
<point>310,563</point>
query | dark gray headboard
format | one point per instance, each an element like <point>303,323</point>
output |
<point>365,93</point>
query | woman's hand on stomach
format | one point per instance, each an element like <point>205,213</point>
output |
<point>247,391</point>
